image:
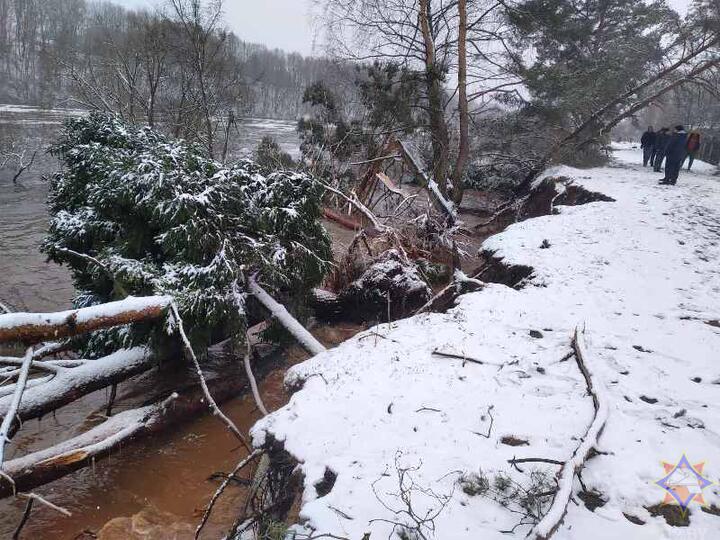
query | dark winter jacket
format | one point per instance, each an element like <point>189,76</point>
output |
<point>676,147</point>
<point>661,143</point>
<point>648,139</point>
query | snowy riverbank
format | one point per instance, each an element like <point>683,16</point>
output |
<point>641,273</point>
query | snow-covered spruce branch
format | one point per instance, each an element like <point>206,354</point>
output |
<point>37,327</point>
<point>305,338</point>
<point>550,523</point>
<point>203,383</point>
<point>12,409</point>
<point>96,262</point>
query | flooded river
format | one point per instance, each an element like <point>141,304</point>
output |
<point>158,487</point>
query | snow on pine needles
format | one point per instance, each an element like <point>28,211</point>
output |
<point>404,428</point>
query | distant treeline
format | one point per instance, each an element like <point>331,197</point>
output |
<point>147,63</point>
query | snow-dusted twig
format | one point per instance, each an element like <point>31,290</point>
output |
<point>203,383</point>
<point>305,338</point>
<point>31,498</point>
<point>464,358</point>
<point>14,404</point>
<point>357,204</point>
<point>555,515</point>
<point>102,266</point>
<point>219,491</point>
<point>44,501</point>
<point>253,382</point>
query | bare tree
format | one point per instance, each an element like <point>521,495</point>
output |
<point>208,60</point>
<point>435,37</point>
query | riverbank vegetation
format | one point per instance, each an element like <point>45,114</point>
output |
<point>428,128</point>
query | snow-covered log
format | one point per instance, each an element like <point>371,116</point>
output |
<point>51,463</point>
<point>554,517</point>
<point>305,338</point>
<point>37,327</point>
<point>47,465</point>
<point>69,384</point>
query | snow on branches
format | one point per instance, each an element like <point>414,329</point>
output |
<point>150,215</point>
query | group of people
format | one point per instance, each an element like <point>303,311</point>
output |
<point>673,148</point>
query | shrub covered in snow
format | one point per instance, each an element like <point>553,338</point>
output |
<point>161,218</point>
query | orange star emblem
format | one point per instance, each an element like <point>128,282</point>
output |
<point>683,483</point>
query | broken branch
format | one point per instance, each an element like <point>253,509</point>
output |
<point>555,515</point>
<point>305,338</point>
<point>203,383</point>
<point>12,409</point>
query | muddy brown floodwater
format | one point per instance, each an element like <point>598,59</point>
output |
<point>158,487</point>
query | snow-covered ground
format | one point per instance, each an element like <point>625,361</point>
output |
<point>641,273</point>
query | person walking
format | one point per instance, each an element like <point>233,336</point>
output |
<point>647,143</point>
<point>661,141</point>
<point>693,145</point>
<point>675,152</point>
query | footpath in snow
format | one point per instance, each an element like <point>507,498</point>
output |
<point>642,274</point>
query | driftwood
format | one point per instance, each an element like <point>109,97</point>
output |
<point>33,328</point>
<point>555,515</point>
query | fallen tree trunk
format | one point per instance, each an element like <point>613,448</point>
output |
<point>433,189</point>
<point>555,515</point>
<point>305,338</point>
<point>30,328</point>
<point>345,221</point>
<point>70,384</point>
<point>41,467</point>
<point>47,465</point>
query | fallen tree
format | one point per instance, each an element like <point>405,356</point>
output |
<point>39,468</point>
<point>71,383</point>
<point>198,228</point>
<point>278,311</point>
<point>31,328</point>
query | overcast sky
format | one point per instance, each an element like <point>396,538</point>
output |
<point>284,24</point>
